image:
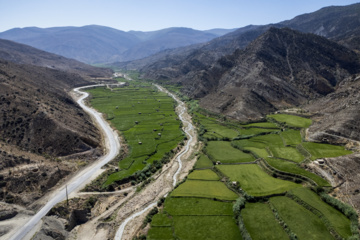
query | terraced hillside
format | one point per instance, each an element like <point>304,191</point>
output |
<point>262,166</point>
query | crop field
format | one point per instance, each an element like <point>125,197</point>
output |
<point>320,150</point>
<point>340,222</point>
<point>291,120</point>
<point>261,223</point>
<point>203,162</point>
<point>255,181</point>
<point>291,137</point>
<point>295,169</point>
<point>161,220</point>
<point>269,139</point>
<point>262,125</point>
<point>225,153</point>
<point>288,153</point>
<point>300,220</point>
<point>197,206</point>
<point>163,233</point>
<point>147,120</point>
<point>205,189</point>
<point>206,174</point>
<point>206,227</point>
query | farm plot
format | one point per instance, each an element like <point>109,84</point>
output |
<point>197,206</point>
<point>203,162</point>
<point>225,153</point>
<point>205,189</point>
<point>291,137</point>
<point>147,120</point>
<point>340,222</point>
<point>261,223</point>
<point>255,181</point>
<point>288,153</point>
<point>295,169</point>
<point>262,125</point>
<point>206,174</point>
<point>291,120</point>
<point>320,150</point>
<point>300,220</point>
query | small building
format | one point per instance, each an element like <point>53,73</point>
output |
<point>140,143</point>
<point>218,162</point>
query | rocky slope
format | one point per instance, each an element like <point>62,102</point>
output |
<point>282,68</point>
<point>23,54</point>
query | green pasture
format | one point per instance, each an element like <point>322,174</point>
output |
<point>255,181</point>
<point>291,120</point>
<point>206,227</point>
<point>197,206</point>
<point>223,151</point>
<point>321,150</point>
<point>147,120</point>
<point>262,125</point>
<point>338,220</point>
<point>203,162</point>
<point>289,167</point>
<point>205,189</point>
<point>255,131</point>
<point>269,140</point>
<point>301,221</point>
<point>206,174</point>
<point>260,222</point>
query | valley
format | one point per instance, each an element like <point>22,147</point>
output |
<point>246,133</point>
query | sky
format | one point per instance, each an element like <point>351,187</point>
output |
<point>150,15</point>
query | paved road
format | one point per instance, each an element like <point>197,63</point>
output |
<point>112,145</point>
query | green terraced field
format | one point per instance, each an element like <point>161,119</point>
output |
<point>320,150</point>
<point>203,162</point>
<point>205,189</point>
<point>261,223</point>
<point>291,120</point>
<point>143,115</point>
<point>255,181</point>
<point>295,169</point>
<point>340,222</point>
<point>262,125</point>
<point>289,153</point>
<point>206,174</point>
<point>206,227</point>
<point>161,220</point>
<point>225,153</point>
<point>160,233</point>
<point>269,139</point>
<point>300,220</point>
<point>291,137</point>
<point>197,206</point>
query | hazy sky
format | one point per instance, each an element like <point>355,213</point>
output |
<point>147,15</point>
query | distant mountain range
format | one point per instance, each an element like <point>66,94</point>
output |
<point>98,44</point>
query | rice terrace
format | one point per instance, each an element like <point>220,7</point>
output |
<point>249,181</point>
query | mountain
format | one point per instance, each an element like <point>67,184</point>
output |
<point>23,54</point>
<point>338,23</point>
<point>281,68</point>
<point>98,44</point>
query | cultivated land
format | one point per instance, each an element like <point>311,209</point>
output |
<point>278,155</point>
<point>147,120</point>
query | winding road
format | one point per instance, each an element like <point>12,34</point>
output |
<point>112,145</point>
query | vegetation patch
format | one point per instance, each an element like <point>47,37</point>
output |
<point>197,206</point>
<point>300,220</point>
<point>203,162</point>
<point>161,220</point>
<point>206,227</point>
<point>206,174</point>
<point>288,153</point>
<point>260,222</point>
<point>255,181</point>
<point>262,125</point>
<point>147,120</point>
<point>320,150</point>
<point>291,137</point>
<point>205,189</point>
<point>225,153</point>
<point>293,168</point>
<point>291,120</point>
<point>338,220</point>
<point>163,233</point>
